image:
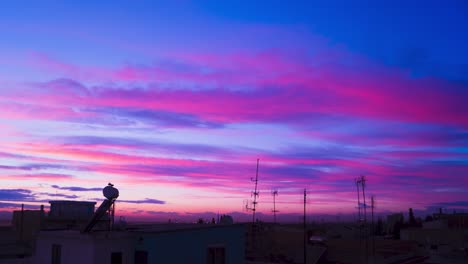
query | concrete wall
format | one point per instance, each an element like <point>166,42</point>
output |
<point>191,246</point>
<point>171,247</point>
<point>436,224</point>
<point>85,248</point>
<point>105,246</point>
<point>453,237</point>
<point>75,249</point>
<point>27,223</point>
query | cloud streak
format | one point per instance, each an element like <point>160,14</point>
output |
<point>76,188</point>
<point>143,201</point>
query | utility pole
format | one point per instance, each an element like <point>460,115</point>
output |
<point>305,227</point>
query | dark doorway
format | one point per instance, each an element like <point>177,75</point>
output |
<point>141,257</point>
<point>216,255</point>
<point>56,254</point>
<point>116,258</point>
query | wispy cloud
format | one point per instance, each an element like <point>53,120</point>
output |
<point>455,204</point>
<point>16,195</point>
<point>143,201</point>
<point>76,188</point>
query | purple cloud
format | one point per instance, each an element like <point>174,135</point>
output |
<point>76,188</point>
<point>143,201</point>
<point>16,195</point>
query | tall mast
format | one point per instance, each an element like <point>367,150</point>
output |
<point>373,228</point>
<point>274,193</point>
<point>255,195</point>
<point>305,227</point>
<point>358,182</point>
<point>366,231</point>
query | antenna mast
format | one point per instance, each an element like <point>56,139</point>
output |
<point>255,195</point>
<point>373,227</point>
<point>274,193</point>
<point>357,181</point>
<point>305,227</point>
<point>366,230</point>
<point>362,213</point>
<point>362,222</point>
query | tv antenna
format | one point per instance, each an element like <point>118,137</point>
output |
<point>254,194</point>
<point>274,193</point>
<point>362,222</point>
<point>373,227</point>
<point>305,227</point>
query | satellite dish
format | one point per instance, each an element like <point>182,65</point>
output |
<point>110,192</point>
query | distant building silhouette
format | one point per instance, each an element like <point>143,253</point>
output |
<point>226,220</point>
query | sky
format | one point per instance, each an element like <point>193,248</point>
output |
<point>174,102</point>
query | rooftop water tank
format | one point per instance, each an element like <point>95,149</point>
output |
<point>110,192</point>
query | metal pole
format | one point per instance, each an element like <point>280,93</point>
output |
<point>358,200</point>
<point>255,194</point>
<point>373,227</point>
<point>363,182</point>
<point>274,193</point>
<point>22,222</point>
<point>359,212</point>
<point>305,227</point>
<point>274,207</point>
<point>112,216</point>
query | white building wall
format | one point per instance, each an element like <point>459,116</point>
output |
<point>74,250</point>
<point>177,246</point>
<point>104,249</point>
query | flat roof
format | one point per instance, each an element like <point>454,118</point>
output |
<point>72,202</point>
<point>139,230</point>
<point>162,228</point>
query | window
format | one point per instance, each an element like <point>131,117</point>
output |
<point>216,255</point>
<point>116,258</point>
<point>141,257</point>
<point>56,254</point>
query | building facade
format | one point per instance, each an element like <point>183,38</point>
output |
<point>199,244</point>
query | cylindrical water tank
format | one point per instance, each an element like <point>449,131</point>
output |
<point>110,192</point>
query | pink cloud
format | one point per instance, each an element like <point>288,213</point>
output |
<point>275,87</point>
<point>43,177</point>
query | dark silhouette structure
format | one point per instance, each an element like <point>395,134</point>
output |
<point>305,227</point>
<point>411,220</point>
<point>106,207</point>
<point>255,194</point>
<point>373,227</point>
<point>274,193</point>
<point>362,213</point>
